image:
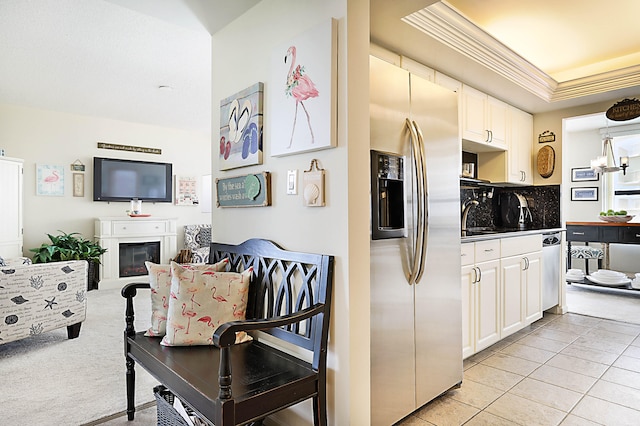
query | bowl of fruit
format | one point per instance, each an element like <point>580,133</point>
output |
<point>615,216</point>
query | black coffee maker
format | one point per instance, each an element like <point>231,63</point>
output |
<point>514,210</point>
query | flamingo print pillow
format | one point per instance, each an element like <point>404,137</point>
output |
<point>160,282</point>
<point>202,300</point>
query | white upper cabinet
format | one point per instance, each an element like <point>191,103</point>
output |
<point>520,154</point>
<point>416,68</point>
<point>483,122</point>
<point>448,82</point>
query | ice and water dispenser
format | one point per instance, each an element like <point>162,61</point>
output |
<point>387,195</point>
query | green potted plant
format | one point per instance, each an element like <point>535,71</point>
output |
<point>71,247</point>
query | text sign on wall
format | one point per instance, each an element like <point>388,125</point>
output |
<point>105,145</point>
<point>546,136</point>
<point>244,191</point>
<point>626,109</point>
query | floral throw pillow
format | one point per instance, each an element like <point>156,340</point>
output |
<point>202,300</point>
<point>160,282</point>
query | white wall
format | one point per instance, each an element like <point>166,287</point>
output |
<point>56,138</point>
<point>241,57</point>
<point>579,149</point>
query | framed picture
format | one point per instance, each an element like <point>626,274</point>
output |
<point>49,180</point>
<point>303,91</point>
<point>186,191</point>
<point>78,185</point>
<point>582,174</point>
<point>241,128</point>
<point>584,194</point>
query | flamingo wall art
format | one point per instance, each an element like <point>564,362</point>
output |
<point>241,128</point>
<point>49,180</point>
<point>302,92</point>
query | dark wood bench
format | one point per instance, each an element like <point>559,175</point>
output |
<point>228,384</point>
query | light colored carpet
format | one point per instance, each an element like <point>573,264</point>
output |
<point>603,302</point>
<point>50,380</point>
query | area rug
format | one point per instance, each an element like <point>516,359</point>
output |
<point>603,302</point>
<point>50,380</point>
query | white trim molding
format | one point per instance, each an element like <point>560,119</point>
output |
<point>445,24</point>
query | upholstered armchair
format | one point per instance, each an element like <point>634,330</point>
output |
<point>35,298</point>
<point>197,239</point>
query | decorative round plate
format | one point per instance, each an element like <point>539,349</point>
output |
<point>617,219</point>
<point>546,161</point>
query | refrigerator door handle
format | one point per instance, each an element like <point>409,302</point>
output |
<point>419,176</point>
<point>423,227</point>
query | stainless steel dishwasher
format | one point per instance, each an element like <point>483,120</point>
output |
<point>551,260</point>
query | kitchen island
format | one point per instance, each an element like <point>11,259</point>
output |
<point>602,232</point>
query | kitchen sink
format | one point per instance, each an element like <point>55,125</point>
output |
<point>487,230</point>
<point>482,230</point>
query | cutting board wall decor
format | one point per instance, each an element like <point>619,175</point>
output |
<point>546,161</point>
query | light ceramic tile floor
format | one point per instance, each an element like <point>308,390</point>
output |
<point>562,370</point>
<point>569,370</point>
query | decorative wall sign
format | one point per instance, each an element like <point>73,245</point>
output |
<point>186,191</point>
<point>78,184</point>
<point>303,94</point>
<point>77,166</point>
<point>626,109</point>
<point>583,174</point>
<point>546,137</point>
<point>584,194</point>
<point>244,191</point>
<point>105,145</point>
<point>546,161</point>
<point>241,128</point>
<point>50,180</point>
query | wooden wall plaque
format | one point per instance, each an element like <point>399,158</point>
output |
<point>253,190</point>
<point>546,161</point>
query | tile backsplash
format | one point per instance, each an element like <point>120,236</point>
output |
<point>543,202</point>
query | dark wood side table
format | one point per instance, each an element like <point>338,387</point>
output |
<point>602,232</point>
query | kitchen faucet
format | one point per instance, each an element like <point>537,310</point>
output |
<point>466,206</point>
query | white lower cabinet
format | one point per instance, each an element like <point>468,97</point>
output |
<point>512,319</point>
<point>501,289</point>
<point>480,295</point>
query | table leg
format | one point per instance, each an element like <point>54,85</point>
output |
<point>605,249</point>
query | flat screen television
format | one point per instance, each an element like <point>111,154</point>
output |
<point>123,180</point>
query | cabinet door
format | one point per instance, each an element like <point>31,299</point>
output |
<point>11,211</point>
<point>512,294</point>
<point>520,149</point>
<point>487,304</point>
<point>496,122</point>
<point>468,278</point>
<point>533,292</point>
<point>474,105</point>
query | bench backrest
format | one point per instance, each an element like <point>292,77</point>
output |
<point>285,282</point>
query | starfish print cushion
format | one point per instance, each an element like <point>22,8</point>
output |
<point>202,300</point>
<point>160,282</point>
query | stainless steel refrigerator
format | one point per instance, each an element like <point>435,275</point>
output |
<point>416,317</point>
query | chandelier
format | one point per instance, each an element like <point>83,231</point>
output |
<point>601,163</point>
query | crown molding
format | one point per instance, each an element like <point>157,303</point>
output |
<point>445,24</point>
